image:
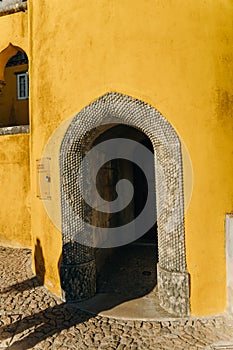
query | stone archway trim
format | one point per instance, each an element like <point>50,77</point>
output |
<point>78,272</point>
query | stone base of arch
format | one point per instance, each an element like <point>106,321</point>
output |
<point>173,288</point>
<point>78,281</point>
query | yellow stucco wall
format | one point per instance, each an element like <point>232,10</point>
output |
<point>14,30</point>
<point>12,110</point>
<point>15,222</point>
<point>175,55</point>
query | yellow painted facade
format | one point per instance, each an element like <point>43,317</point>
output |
<point>15,214</point>
<point>175,55</point>
<point>15,218</point>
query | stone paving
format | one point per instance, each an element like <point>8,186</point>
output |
<point>33,318</point>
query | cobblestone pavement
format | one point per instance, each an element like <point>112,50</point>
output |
<point>32,318</point>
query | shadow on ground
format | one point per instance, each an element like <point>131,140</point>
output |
<point>32,329</point>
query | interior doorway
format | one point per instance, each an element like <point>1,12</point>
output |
<point>128,271</point>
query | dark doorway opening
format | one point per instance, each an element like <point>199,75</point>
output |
<point>128,271</point>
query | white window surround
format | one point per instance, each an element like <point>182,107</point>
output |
<point>22,85</point>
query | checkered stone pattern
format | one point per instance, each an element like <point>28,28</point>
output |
<point>117,108</point>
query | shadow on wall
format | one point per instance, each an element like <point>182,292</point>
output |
<point>39,262</point>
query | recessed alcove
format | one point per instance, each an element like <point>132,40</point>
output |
<point>129,270</point>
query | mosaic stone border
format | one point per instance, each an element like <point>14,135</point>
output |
<point>110,108</point>
<point>12,130</point>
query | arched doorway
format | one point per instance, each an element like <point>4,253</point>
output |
<point>14,140</point>
<point>14,87</point>
<point>128,271</point>
<point>78,269</point>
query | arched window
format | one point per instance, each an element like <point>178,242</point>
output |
<point>14,94</point>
